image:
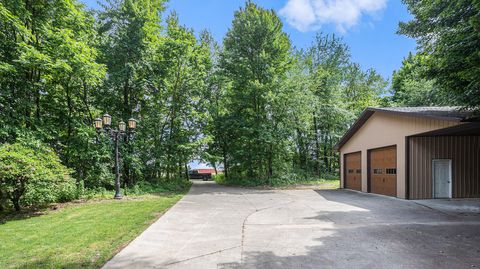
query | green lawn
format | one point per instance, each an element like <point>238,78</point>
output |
<point>317,183</point>
<point>320,184</point>
<point>78,235</point>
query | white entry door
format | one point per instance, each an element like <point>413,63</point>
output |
<point>442,178</point>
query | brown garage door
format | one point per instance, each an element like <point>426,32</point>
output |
<point>353,171</point>
<point>383,171</point>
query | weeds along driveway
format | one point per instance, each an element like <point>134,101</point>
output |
<point>222,227</point>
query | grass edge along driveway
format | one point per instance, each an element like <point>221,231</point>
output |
<point>82,235</point>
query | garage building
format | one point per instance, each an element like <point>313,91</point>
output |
<point>413,153</point>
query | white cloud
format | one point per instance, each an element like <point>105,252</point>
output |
<point>308,15</point>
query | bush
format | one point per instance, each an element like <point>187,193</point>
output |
<point>31,175</point>
<point>219,178</point>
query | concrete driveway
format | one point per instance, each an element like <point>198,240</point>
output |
<point>221,227</point>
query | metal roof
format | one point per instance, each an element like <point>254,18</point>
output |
<point>447,113</point>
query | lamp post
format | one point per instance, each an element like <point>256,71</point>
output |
<point>104,124</point>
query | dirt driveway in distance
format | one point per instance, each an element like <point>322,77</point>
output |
<point>223,227</point>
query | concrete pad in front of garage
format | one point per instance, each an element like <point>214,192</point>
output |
<point>456,206</point>
<point>221,227</point>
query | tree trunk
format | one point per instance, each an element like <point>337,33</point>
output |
<point>126,116</point>
<point>332,155</point>
<point>302,154</point>
<point>179,165</point>
<point>37,101</point>
<point>270,162</point>
<point>127,178</point>
<point>325,154</point>
<point>225,162</point>
<point>168,170</point>
<point>215,167</point>
<point>317,146</point>
<point>16,203</point>
<point>186,172</point>
<point>69,123</point>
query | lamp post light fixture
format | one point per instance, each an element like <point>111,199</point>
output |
<point>107,120</point>
<point>122,127</point>
<point>132,123</point>
<point>98,123</point>
<point>104,124</point>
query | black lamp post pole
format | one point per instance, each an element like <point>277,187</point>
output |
<point>118,193</point>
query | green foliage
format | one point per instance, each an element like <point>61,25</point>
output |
<point>175,115</point>
<point>48,74</point>
<point>129,39</point>
<point>411,88</point>
<point>31,174</point>
<point>337,90</point>
<point>255,60</point>
<point>220,179</point>
<point>303,117</point>
<point>447,32</point>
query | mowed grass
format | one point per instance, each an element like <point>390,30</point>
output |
<point>331,182</point>
<point>323,184</point>
<point>82,235</point>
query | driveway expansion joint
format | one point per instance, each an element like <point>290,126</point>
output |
<point>200,256</point>
<point>244,224</point>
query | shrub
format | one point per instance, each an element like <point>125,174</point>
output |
<point>219,178</point>
<point>31,174</point>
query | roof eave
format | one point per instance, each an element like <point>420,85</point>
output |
<point>418,115</point>
<point>368,112</point>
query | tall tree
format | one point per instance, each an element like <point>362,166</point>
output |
<point>448,32</point>
<point>175,108</point>
<point>131,36</point>
<point>330,92</point>
<point>255,59</point>
<point>327,61</point>
<point>411,88</point>
<point>215,138</point>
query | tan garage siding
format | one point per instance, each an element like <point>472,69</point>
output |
<point>387,129</point>
<point>464,151</point>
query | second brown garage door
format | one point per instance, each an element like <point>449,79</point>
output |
<point>353,171</point>
<point>383,171</point>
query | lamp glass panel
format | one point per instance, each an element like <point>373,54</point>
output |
<point>122,126</point>
<point>107,120</point>
<point>132,123</point>
<point>98,123</point>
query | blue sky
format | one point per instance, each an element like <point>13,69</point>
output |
<point>367,26</point>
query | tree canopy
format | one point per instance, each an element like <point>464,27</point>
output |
<point>252,105</point>
<point>448,32</point>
